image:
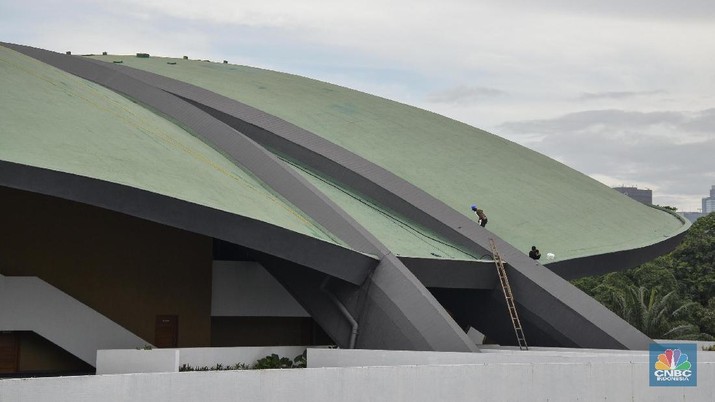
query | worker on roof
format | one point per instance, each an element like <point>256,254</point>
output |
<point>482,218</point>
<point>534,253</point>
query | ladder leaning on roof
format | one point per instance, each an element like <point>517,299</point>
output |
<point>506,288</point>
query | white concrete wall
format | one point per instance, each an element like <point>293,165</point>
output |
<point>31,304</point>
<point>169,360</point>
<point>137,361</point>
<point>360,357</point>
<point>476,382</point>
<point>246,289</point>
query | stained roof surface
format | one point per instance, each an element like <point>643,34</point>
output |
<point>402,236</point>
<point>529,198</point>
<point>57,121</point>
<point>54,120</point>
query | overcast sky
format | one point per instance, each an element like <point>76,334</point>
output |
<point>622,90</point>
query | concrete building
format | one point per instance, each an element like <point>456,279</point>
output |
<point>709,202</point>
<point>692,216</point>
<point>184,204</point>
<point>640,195</point>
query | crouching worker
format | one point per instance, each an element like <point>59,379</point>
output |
<point>482,218</point>
<point>534,253</point>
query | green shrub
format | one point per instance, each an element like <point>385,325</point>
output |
<point>218,367</point>
<point>272,361</point>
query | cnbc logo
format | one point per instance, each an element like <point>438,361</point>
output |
<point>673,365</point>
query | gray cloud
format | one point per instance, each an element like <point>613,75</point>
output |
<point>552,50</point>
<point>670,152</point>
<point>617,94</point>
<point>703,121</point>
<point>642,9</point>
<point>463,94</point>
<point>588,119</point>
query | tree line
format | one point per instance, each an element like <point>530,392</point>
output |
<point>671,297</point>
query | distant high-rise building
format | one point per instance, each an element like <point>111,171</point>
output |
<point>709,202</point>
<point>643,196</point>
<point>691,216</point>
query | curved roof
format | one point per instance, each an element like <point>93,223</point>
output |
<point>529,198</point>
<point>321,182</point>
<point>54,120</point>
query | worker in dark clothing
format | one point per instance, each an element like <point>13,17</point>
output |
<point>534,253</point>
<point>480,214</point>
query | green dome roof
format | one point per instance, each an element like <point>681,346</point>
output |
<point>528,197</point>
<point>54,120</point>
<point>316,181</point>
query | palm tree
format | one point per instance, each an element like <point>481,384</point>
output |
<point>648,312</point>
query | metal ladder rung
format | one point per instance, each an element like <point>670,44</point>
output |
<point>509,297</point>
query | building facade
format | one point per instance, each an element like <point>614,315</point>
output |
<point>640,195</point>
<point>709,202</point>
<point>141,208</point>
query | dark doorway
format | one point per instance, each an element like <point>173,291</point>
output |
<point>166,334</point>
<point>9,352</point>
<point>266,331</point>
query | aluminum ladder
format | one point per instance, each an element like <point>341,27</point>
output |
<point>509,297</point>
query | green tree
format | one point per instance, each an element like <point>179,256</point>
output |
<point>667,207</point>
<point>672,296</point>
<point>649,312</point>
<point>657,274</point>
<point>695,261</point>
<point>603,288</point>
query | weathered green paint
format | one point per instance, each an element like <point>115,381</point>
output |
<point>528,197</point>
<point>54,120</point>
<point>402,236</point>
